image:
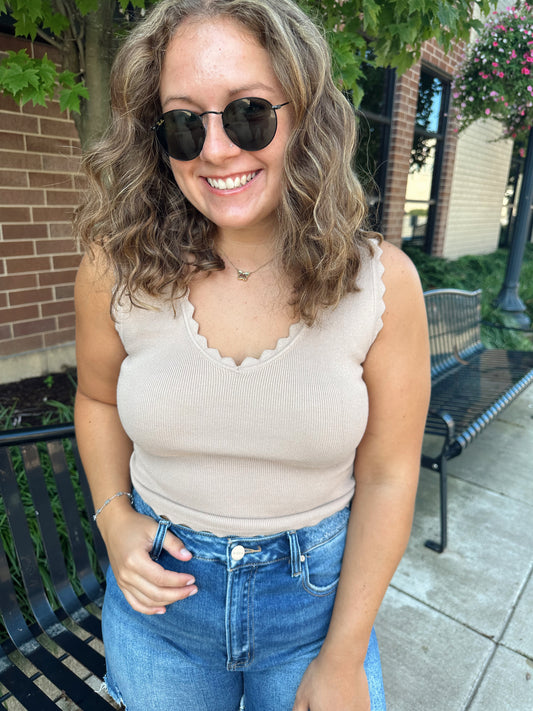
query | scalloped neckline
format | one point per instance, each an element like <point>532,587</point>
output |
<point>193,327</point>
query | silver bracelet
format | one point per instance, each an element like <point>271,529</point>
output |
<point>108,501</point>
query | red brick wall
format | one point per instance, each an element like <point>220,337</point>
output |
<point>402,130</point>
<point>39,184</point>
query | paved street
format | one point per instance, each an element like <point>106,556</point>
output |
<point>456,629</point>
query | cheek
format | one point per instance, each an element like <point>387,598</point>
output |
<point>179,171</point>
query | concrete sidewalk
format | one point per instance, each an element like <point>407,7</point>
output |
<point>456,629</point>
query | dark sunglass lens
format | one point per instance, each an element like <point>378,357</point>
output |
<point>250,123</point>
<point>181,133</point>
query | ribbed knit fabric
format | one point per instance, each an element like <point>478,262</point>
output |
<point>254,449</point>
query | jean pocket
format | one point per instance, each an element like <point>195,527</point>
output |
<point>321,568</point>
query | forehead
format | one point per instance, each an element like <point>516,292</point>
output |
<point>209,57</point>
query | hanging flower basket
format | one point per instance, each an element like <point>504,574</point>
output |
<point>496,78</point>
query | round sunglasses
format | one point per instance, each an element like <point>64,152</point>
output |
<point>250,123</point>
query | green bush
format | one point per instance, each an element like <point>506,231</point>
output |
<point>486,272</point>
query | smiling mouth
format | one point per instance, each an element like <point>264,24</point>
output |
<point>231,183</point>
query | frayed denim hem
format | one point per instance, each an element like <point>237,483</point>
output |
<point>111,691</point>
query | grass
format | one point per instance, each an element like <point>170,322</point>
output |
<point>486,272</point>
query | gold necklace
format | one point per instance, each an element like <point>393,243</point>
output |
<point>243,275</point>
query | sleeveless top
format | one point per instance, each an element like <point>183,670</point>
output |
<point>251,449</point>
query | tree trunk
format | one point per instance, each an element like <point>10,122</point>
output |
<point>88,48</point>
<point>99,51</point>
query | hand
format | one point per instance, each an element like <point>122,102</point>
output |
<point>146,585</point>
<point>333,684</point>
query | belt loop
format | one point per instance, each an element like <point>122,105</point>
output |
<point>296,555</point>
<point>159,538</point>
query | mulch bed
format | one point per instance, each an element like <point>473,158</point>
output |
<point>29,400</point>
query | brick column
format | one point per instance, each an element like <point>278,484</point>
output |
<point>402,132</point>
<point>401,142</point>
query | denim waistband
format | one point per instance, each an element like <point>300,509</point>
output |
<point>236,551</point>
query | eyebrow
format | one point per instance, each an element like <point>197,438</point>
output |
<point>234,92</point>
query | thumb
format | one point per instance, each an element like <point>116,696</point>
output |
<point>173,545</point>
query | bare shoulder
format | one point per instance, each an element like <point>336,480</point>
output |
<point>404,300</point>
<point>399,269</point>
<point>95,281</point>
<point>95,272</point>
<point>99,350</point>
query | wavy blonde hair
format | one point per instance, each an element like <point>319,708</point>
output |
<point>154,238</point>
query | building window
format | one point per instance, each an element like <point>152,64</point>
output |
<point>374,122</point>
<point>421,197</point>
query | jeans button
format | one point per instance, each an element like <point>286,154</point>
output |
<point>237,553</point>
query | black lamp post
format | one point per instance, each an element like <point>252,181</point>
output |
<point>508,299</point>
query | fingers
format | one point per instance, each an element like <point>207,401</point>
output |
<point>152,595</point>
<point>147,586</point>
<point>175,547</point>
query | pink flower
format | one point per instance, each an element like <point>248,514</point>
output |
<point>501,75</point>
<point>487,111</point>
<point>525,70</point>
<point>494,64</point>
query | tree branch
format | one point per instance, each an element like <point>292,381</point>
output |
<point>48,38</point>
<point>71,12</point>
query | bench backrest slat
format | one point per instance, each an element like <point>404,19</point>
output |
<point>39,493</point>
<point>454,321</point>
<point>18,524</point>
<point>9,607</point>
<point>72,518</point>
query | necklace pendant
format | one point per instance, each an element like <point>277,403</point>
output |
<point>242,276</point>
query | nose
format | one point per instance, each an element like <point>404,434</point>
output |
<point>217,144</point>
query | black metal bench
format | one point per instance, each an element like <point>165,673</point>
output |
<point>471,384</point>
<point>43,488</point>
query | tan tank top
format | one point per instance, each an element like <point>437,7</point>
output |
<point>250,449</point>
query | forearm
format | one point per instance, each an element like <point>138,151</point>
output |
<point>378,532</point>
<point>105,450</point>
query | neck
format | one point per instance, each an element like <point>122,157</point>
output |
<point>246,252</point>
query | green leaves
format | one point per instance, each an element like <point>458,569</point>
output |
<point>388,32</point>
<point>30,15</point>
<point>26,78</point>
<point>87,6</point>
<point>71,93</point>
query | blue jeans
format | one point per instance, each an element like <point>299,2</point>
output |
<point>260,616</point>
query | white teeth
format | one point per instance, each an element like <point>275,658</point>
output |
<point>230,183</point>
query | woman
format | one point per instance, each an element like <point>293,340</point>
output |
<point>240,337</point>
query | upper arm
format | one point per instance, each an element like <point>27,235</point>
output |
<point>99,350</point>
<point>397,374</point>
